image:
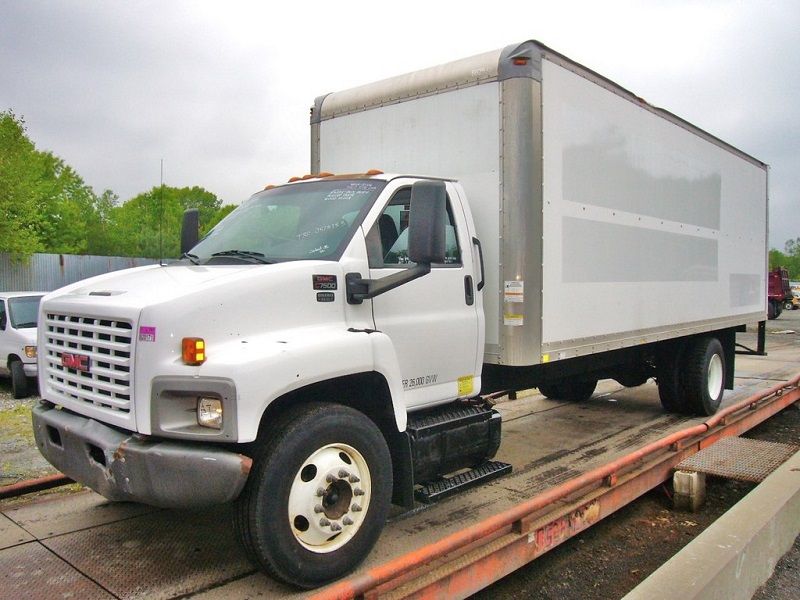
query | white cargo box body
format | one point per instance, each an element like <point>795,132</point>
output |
<point>605,222</point>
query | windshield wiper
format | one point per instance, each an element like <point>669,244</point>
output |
<point>245,254</point>
<point>25,325</point>
<point>193,258</point>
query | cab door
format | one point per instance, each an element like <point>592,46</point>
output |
<point>434,322</point>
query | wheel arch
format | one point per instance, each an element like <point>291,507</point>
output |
<point>370,394</point>
<point>367,392</point>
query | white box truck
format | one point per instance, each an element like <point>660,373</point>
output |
<point>322,352</point>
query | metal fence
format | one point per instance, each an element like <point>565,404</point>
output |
<point>47,272</point>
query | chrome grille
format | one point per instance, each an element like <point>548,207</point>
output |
<point>107,344</point>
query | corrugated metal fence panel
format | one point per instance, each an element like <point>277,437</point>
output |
<point>47,272</point>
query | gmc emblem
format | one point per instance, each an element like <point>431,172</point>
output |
<point>79,362</point>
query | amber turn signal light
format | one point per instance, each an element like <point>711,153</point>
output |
<point>194,351</point>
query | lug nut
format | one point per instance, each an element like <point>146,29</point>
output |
<point>318,508</point>
<point>320,492</point>
<point>336,527</point>
<point>347,521</point>
<point>330,478</point>
<point>356,508</point>
<point>358,492</point>
<point>353,479</point>
<point>343,474</point>
<point>323,522</point>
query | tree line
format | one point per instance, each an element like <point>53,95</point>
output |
<point>788,259</point>
<point>47,207</point>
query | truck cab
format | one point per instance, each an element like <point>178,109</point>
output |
<point>286,353</point>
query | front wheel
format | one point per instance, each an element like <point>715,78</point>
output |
<point>772,310</point>
<point>20,386</point>
<point>318,494</point>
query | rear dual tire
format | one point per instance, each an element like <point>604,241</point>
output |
<point>575,391</point>
<point>691,379</point>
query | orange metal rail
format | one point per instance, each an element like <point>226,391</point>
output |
<point>469,560</point>
<point>33,485</point>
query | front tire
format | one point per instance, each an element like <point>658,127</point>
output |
<point>772,310</point>
<point>20,386</point>
<point>318,494</point>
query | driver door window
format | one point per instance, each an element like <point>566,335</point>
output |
<point>387,241</point>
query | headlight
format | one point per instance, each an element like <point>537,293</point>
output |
<point>30,351</point>
<point>209,412</point>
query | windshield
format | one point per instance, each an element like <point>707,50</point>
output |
<point>313,220</point>
<point>24,311</point>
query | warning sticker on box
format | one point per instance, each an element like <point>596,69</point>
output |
<point>514,320</point>
<point>514,291</point>
<point>465,385</point>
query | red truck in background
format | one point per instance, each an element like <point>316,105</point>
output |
<point>779,292</point>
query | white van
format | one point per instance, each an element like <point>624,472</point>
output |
<point>18,314</point>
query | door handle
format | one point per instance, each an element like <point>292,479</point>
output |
<point>477,242</point>
<point>469,295</point>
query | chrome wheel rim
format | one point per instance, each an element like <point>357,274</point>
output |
<point>329,498</point>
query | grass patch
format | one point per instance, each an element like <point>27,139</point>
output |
<point>16,423</point>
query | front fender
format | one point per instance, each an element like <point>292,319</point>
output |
<point>270,368</point>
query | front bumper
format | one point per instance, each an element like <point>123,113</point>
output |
<point>30,369</point>
<point>128,467</point>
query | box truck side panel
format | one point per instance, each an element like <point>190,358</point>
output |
<point>649,227</point>
<point>454,134</point>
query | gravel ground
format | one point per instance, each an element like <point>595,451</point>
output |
<point>19,457</point>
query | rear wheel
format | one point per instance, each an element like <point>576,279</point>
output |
<point>669,381</point>
<point>318,494</point>
<point>20,386</point>
<point>576,391</point>
<point>704,377</point>
<point>550,390</point>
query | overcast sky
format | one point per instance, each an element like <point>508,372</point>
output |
<point>221,90</point>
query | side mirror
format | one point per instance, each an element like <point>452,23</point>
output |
<point>190,229</point>
<point>426,228</point>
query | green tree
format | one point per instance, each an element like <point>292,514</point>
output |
<point>777,259</point>
<point>103,237</point>
<point>48,206</point>
<point>789,259</point>
<point>149,224</point>
<point>18,188</point>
